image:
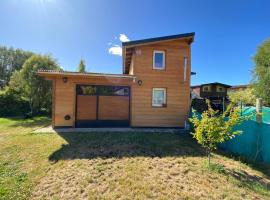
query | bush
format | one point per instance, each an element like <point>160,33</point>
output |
<point>31,87</point>
<point>12,105</point>
<point>199,105</point>
<point>245,96</point>
<point>214,128</point>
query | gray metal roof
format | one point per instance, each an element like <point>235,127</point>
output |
<point>156,39</point>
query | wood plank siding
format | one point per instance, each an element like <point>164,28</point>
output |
<point>113,107</point>
<point>140,77</point>
<point>172,78</point>
<point>65,96</point>
<point>86,107</point>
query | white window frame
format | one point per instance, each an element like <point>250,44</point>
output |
<point>165,95</point>
<point>218,87</point>
<point>163,63</point>
<point>206,86</point>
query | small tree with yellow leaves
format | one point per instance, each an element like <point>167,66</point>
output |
<point>214,128</point>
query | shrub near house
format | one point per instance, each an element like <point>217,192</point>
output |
<point>214,128</point>
<point>27,92</point>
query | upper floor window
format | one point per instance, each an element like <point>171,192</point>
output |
<point>206,88</point>
<point>159,60</point>
<point>220,89</point>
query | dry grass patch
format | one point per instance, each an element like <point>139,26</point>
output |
<point>119,166</point>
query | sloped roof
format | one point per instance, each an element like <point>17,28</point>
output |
<point>127,49</point>
<point>214,83</point>
<point>157,39</point>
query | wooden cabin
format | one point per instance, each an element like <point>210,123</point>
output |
<point>216,92</point>
<point>153,91</point>
<point>211,90</point>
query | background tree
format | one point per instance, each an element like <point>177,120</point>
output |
<point>261,73</point>
<point>81,67</point>
<point>31,87</point>
<point>214,128</point>
<point>11,60</point>
<point>246,96</point>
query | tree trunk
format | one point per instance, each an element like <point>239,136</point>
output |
<point>209,158</point>
<point>31,106</point>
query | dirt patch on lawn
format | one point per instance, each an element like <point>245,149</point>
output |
<point>138,178</point>
<point>143,166</point>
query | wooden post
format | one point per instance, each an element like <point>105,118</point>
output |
<point>259,110</point>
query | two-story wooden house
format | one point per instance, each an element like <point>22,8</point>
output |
<point>215,92</point>
<point>153,91</point>
<point>211,90</point>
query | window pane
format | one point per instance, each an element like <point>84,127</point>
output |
<point>113,91</point>
<point>159,60</point>
<point>206,88</point>
<point>158,97</point>
<point>87,90</point>
<point>105,90</point>
<point>121,91</point>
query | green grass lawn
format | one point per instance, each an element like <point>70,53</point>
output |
<point>117,166</point>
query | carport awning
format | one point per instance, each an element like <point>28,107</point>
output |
<point>49,74</point>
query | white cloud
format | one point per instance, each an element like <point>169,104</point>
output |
<point>115,50</point>
<point>123,38</point>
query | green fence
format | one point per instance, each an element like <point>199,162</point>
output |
<point>254,142</point>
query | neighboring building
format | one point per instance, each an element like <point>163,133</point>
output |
<point>215,92</point>
<point>237,88</point>
<point>153,91</point>
<point>211,90</point>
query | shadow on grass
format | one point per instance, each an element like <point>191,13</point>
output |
<point>37,121</point>
<point>262,167</point>
<point>106,145</point>
<point>241,178</point>
<point>118,145</point>
<point>253,182</point>
<point>247,180</point>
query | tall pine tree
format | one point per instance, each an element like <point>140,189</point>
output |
<point>81,67</point>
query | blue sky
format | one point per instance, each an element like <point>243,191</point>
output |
<point>228,32</point>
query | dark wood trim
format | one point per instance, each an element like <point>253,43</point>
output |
<point>58,127</point>
<point>129,105</point>
<point>76,102</point>
<point>101,123</point>
<point>97,107</point>
<point>53,102</point>
<point>158,127</point>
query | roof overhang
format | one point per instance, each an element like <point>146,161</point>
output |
<point>128,47</point>
<point>51,74</point>
<point>214,83</point>
<point>240,86</point>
